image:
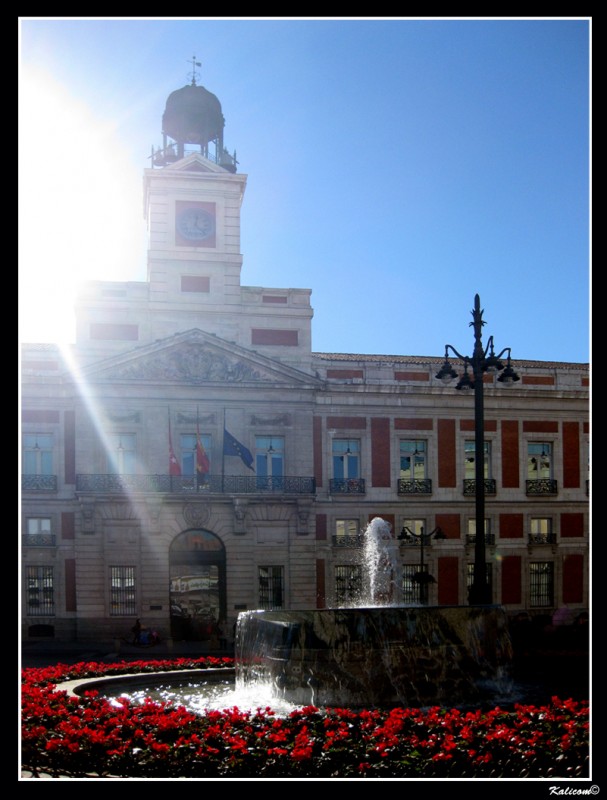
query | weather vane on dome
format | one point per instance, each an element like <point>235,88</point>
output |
<point>194,65</point>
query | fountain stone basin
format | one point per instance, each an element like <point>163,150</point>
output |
<point>376,656</point>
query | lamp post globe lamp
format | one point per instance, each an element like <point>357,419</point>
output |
<point>483,360</point>
<point>421,577</point>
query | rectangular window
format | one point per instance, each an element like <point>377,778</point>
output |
<point>470,460</point>
<point>412,589</point>
<point>346,530</point>
<point>195,283</point>
<point>472,529</point>
<point>38,532</point>
<point>412,459</point>
<point>37,454</point>
<point>488,573</point>
<point>348,584</point>
<point>39,592</point>
<point>346,459</point>
<point>541,584</point>
<point>413,526</point>
<point>115,332</point>
<point>123,599</point>
<point>271,587</point>
<point>187,443</point>
<point>38,525</point>
<point>122,455</point>
<point>274,337</point>
<point>269,456</point>
<point>539,460</point>
<point>541,530</point>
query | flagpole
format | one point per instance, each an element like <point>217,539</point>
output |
<point>223,455</point>
<point>174,467</point>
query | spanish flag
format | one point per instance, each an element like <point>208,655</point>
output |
<point>203,465</point>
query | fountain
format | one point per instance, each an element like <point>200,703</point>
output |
<point>379,653</point>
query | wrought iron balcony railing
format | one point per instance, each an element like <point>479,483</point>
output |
<point>470,486</point>
<point>39,483</point>
<point>489,538</point>
<point>542,486</point>
<point>38,540</point>
<point>349,540</point>
<point>417,486</point>
<point>347,486</point>
<point>415,541</point>
<point>186,484</point>
<point>542,538</point>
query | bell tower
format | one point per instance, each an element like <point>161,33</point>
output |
<point>192,199</point>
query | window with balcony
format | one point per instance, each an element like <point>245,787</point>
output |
<point>471,532</point>
<point>346,466</point>
<point>123,595</point>
<point>413,478</point>
<point>122,454</point>
<point>38,453</point>
<point>415,526</point>
<point>541,584</point>
<point>540,531</point>
<point>269,462</point>
<point>188,444</point>
<point>39,591</point>
<point>346,459</point>
<point>347,533</point>
<point>271,587</point>
<point>37,461</point>
<point>348,584</point>
<point>539,469</point>
<point>38,532</point>
<point>470,468</point>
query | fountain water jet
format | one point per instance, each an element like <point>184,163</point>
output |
<point>383,569</point>
<point>380,653</point>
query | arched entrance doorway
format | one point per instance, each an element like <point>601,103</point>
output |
<point>197,571</point>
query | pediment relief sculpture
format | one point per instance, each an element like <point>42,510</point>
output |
<point>190,363</point>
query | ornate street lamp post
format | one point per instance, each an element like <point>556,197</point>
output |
<point>482,360</point>
<point>422,578</point>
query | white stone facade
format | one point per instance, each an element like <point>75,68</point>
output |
<point>103,544</point>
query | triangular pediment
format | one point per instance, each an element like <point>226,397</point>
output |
<point>194,162</point>
<point>196,358</point>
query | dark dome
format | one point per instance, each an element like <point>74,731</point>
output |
<point>193,116</point>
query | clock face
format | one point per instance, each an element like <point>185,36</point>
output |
<point>195,224</point>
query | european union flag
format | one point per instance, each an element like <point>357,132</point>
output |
<point>232,447</point>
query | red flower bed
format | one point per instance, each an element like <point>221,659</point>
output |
<point>63,735</point>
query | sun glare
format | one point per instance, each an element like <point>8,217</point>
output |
<point>80,208</point>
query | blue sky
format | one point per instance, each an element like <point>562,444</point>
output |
<point>396,167</point>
